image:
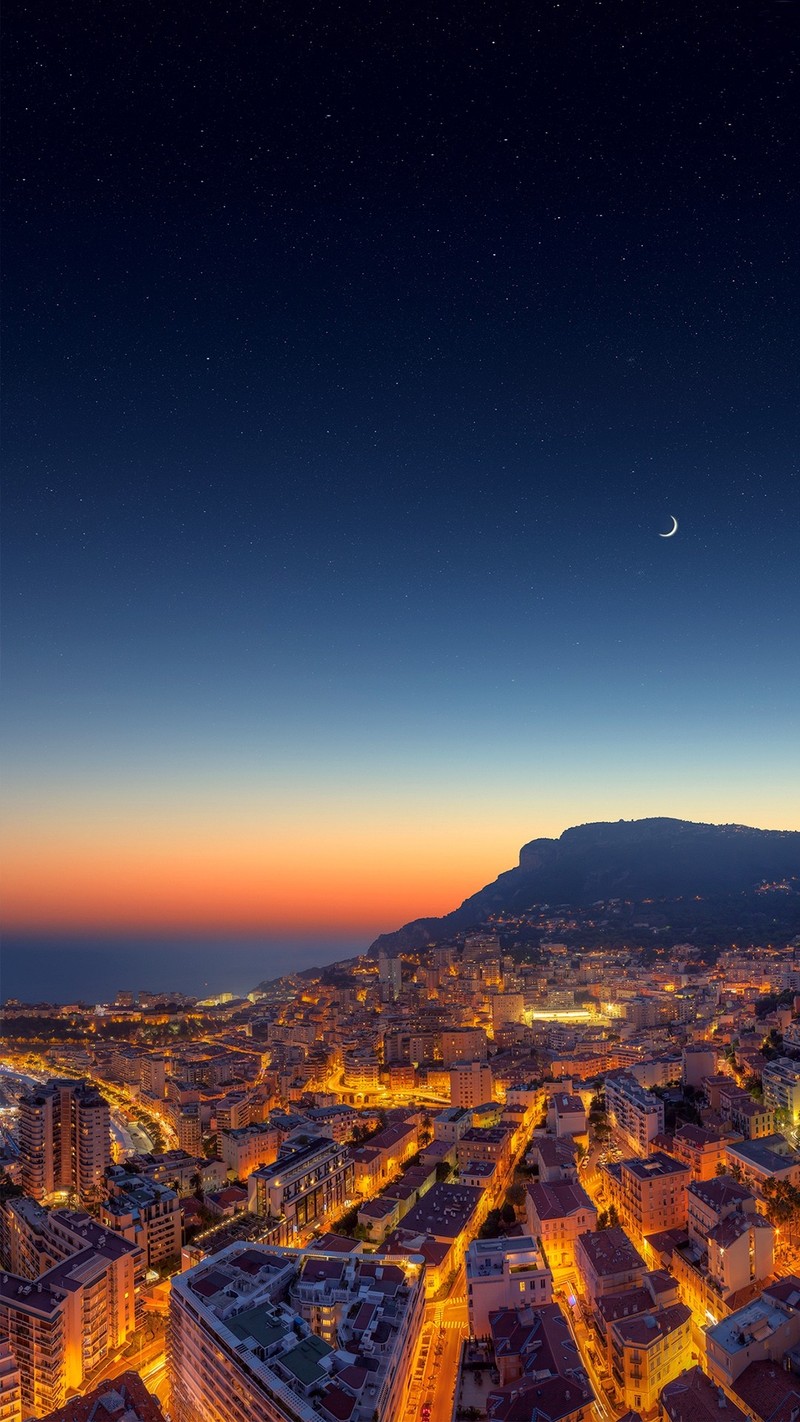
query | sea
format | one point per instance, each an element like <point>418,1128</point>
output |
<point>78,969</point>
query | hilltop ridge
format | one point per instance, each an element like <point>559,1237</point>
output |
<point>662,859</point>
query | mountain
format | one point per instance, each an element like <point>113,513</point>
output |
<point>638,861</point>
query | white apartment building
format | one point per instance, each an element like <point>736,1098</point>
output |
<point>471,1083</point>
<point>634,1111</point>
<point>781,1082</point>
<point>264,1335</point>
<point>504,1273</point>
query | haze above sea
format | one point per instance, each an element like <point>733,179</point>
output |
<point>71,968</point>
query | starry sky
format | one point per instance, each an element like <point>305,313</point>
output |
<point>355,358</point>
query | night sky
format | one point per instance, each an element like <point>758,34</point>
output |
<point>355,358</point>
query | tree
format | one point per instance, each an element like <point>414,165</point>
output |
<point>752,1083</point>
<point>772,1045</point>
<point>9,1190</point>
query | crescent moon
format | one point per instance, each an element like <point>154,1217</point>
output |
<point>673,530</point>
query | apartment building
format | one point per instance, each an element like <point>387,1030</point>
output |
<point>554,1159</point>
<point>634,1111</point>
<point>471,1083</point>
<point>540,1373</point>
<point>438,1229</point>
<point>37,1239</point>
<point>64,1139</point>
<point>379,1161</point>
<point>311,1179</point>
<point>463,1044</point>
<point>180,1170</point>
<point>768,1158</point>
<point>264,1335</point>
<point>649,1351</point>
<point>10,1385</point>
<point>449,1125</point>
<point>242,1151</point>
<point>32,1318</point>
<point>709,1202</point>
<point>649,1195</point>
<point>492,1143</point>
<point>504,1273</point>
<point>556,1213</point>
<point>65,1324</point>
<point>607,1263</point>
<point>657,1290</point>
<point>750,1118</point>
<point>765,1330</point>
<point>566,1114</point>
<point>699,1061</point>
<point>703,1151</point>
<point>144,1212</point>
<point>781,1082</point>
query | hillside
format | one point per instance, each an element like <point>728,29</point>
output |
<point>691,867</point>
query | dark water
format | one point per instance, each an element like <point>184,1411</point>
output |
<point>65,969</point>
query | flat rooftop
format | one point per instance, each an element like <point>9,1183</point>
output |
<point>257,1303</point>
<point>756,1321</point>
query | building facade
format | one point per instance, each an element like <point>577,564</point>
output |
<point>64,1140</point>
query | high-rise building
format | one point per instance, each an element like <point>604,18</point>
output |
<point>189,1129</point>
<point>38,1239</point>
<point>634,1111</point>
<point>68,1321</point>
<point>262,1335</point>
<point>65,1139</point>
<point>10,1385</point>
<point>390,977</point>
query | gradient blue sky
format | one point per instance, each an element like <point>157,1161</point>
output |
<point>353,368</point>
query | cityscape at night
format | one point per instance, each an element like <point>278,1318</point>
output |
<point>400,831</point>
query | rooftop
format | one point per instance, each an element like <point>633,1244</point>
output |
<point>559,1198</point>
<point>121,1399</point>
<point>769,1392</point>
<point>488,1257</point>
<point>649,1328</point>
<point>655,1166</point>
<point>444,1211</point>
<point>257,1303</point>
<point>720,1192</point>
<point>769,1153</point>
<point>609,1251</point>
<point>756,1321</point>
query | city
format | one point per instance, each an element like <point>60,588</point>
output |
<point>478,1181</point>
<point>399,716</point>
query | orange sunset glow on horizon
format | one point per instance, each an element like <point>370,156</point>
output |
<point>302,869</point>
